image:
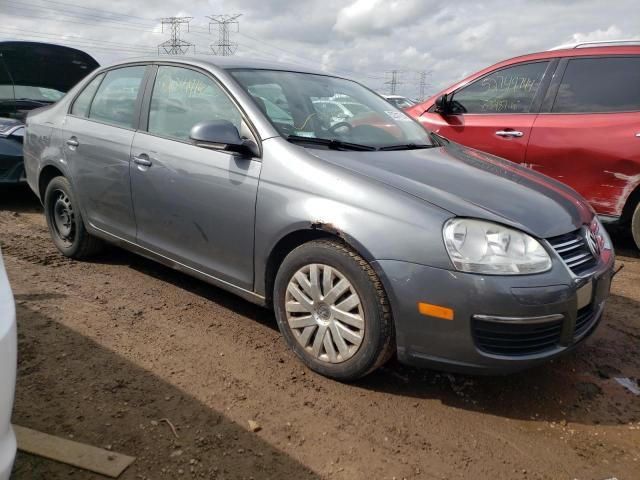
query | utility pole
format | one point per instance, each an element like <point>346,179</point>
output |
<point>394,82</point>
<point>175,45</point>
<point>224,46</point>
<point>423,83</point>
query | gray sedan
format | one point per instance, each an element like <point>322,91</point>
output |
<point>368,237</point>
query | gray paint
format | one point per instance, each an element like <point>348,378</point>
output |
<point>219,216</point>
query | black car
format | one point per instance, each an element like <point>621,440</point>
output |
<point>32,75</point>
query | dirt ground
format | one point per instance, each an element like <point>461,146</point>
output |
<point>110,348</point>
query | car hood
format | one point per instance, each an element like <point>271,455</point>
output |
<point>470,183</point>
<point>44,65</point>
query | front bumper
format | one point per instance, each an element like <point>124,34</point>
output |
<point>7,381</point>
<point>8,365</point>
<point>7,453</point>
<point>509,341</point>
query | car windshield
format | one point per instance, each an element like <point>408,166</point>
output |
<point>330,109</point>
<point>22,92</point>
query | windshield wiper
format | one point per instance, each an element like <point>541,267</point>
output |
<point>408,146</point>
<point>25,100</point>
<point>332,144</point>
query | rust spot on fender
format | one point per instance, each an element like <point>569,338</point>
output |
<point>326,227</point>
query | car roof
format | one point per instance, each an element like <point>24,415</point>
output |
<point>225,63</point>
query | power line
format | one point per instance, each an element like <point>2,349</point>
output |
<point>37,10</point>
<point>306,61</point>
<point>175,45</point>
<point>422,86</point>
<point>77,39</point>
<point>394,81</point>
<point>99,11</point>
<point>224,46</point>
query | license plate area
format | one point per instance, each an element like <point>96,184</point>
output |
<point>585,294</point>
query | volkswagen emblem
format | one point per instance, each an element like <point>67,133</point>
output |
<point>592,242</point>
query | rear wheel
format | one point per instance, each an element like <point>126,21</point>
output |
<point>65,221</point>
<point>332,310</point>
<point>635,225</point>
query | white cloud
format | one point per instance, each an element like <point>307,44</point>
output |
<point>358,38</point>
<point>611,33</point>
<point>366,17</point>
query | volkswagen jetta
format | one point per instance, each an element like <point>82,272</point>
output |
<point>367,237</point>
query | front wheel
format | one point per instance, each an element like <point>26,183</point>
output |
<point>65,221</point>
<point>332,310</point>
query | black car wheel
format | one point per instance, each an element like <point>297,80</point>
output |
<point>333,311</point>
<point>65,221</point>
<point>635,225</point>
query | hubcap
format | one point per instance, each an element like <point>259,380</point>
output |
<point>324,313</point>
<point>63,217</point>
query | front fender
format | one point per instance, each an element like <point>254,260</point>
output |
<point>298,191</point>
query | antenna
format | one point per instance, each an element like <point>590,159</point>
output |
<point>175,45</point>
<point>224,46</point>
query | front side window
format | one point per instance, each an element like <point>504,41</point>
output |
<point>509,90</point>
<point>183,97</point>
<point>115,99</point>
<point>329,111</point>
<point>594,85</point>
<point>83,101</point>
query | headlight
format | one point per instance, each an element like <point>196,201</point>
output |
<point>477,246</point>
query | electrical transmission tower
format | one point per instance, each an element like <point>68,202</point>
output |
<point>422,86</point>
<point>175,45</point>
<point>394,82</point>
<point>224,46</point>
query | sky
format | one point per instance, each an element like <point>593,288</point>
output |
<point>360,39</point>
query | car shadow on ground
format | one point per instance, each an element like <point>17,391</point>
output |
<point>72,387</point>
<point>578,387</point>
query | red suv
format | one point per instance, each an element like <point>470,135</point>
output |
<point>571,113</point>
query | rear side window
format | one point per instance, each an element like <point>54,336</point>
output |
<point>509,90</point>
<point>182,97</point>
<point>596,85</point>
<point>83,101</point>
<point>115,99</point>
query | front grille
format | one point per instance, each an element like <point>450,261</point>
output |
<point>514,339</point>
<point>574,251</point>
<point>584,320</point>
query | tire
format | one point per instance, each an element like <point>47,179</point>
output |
<point>635,225</point>
<point>361,338</point>
<point>65,221</point>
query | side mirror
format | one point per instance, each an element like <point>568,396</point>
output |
<point>443,104</point>
<point>221,135</point>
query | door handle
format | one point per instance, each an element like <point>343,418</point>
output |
<point>509,133</point>
<point>72,142</point>
<point>638,134</point>
<point>142,160</point>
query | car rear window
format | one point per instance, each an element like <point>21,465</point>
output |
<point>596,85</point>
<point>114,102</point>
<point>83,101</point>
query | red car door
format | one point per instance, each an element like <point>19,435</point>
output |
<point>587,134</point>
<point>494,113</point>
